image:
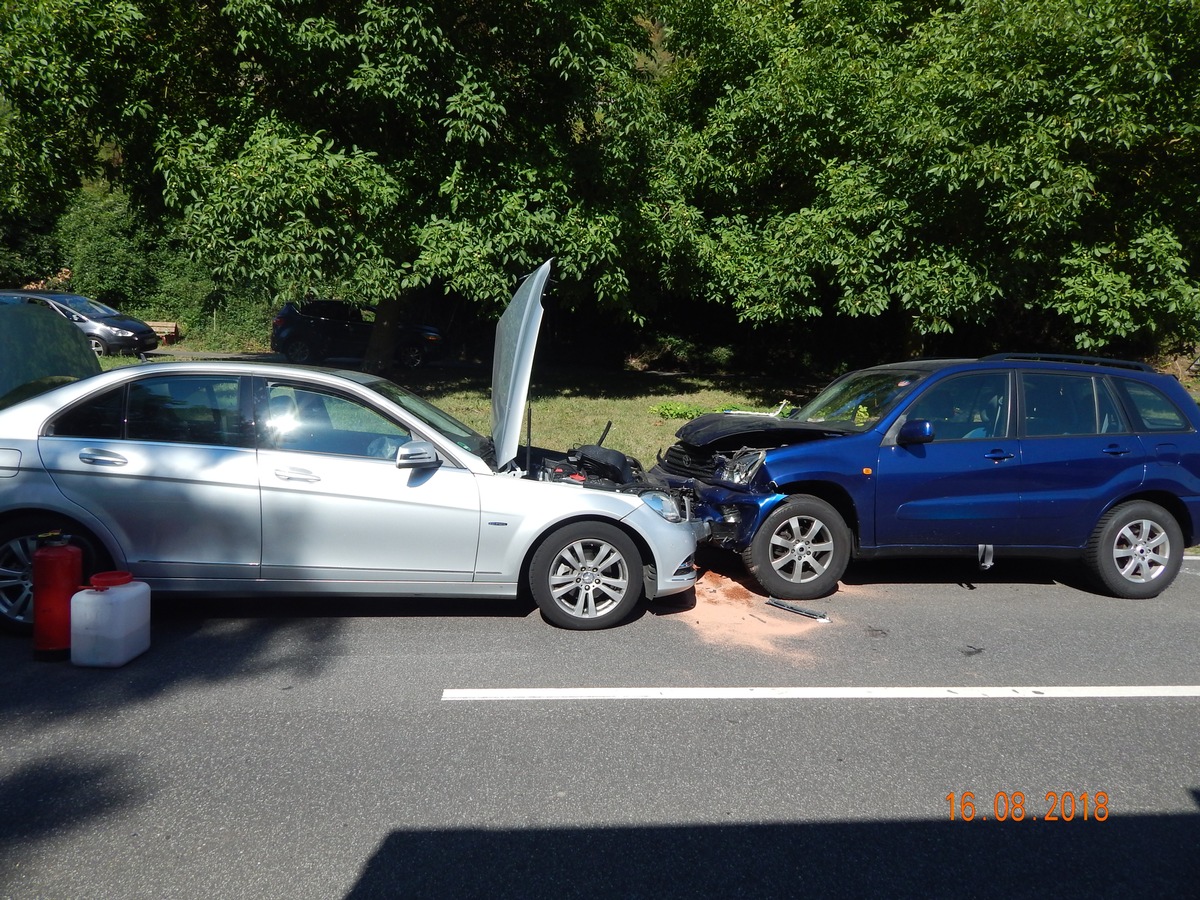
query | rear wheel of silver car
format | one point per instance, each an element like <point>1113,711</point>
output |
<point>18,542</point>
<point>586,576</point>
<point>1136,550</point>
<point>800,551</point>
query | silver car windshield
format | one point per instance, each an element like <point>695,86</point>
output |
<point>437,419</point>
<point>859,400</point>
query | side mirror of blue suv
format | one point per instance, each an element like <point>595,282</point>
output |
<point>918,431</point>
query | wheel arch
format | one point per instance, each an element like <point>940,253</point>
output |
<point>99,535</point>
<point>639,541</point>
<point>832,493</point>
<point>1168,501</point>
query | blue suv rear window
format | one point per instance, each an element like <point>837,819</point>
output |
<point>1156,411</point>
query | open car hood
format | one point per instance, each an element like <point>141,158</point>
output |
<point>39,349</point>
<point>725,431</point>
<point>516,339</point>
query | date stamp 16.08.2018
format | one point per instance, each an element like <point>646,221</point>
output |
<point>1013,806</point>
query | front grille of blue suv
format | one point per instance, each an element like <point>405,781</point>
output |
<point>1007,456</point>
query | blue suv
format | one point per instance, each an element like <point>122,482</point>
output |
<point>1006,456</point>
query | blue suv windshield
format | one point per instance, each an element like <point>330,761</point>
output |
<point>859,400</point>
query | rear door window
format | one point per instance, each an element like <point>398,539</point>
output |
<point>1155,411</point>
<point>177,409</point>
<point>1059,404</point>
<point>187,410</point>
<point>101,416</point>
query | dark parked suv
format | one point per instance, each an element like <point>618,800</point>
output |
<point>322,329</point>
<point>107,330</point>
<point>1006,456</point>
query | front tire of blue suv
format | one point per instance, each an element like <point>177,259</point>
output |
<point>1136,550</point>
<point>801,550</point>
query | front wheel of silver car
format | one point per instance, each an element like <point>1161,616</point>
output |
<point>18,543</point>
<point>1135,551</point>
<point>586,576</point>
<point>800,551</point>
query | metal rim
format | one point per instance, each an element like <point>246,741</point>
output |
<point>299,352</point>
<point>16,578</point>
<point>801,549</point>
<point>589,578</point>
<point>1141,551</point>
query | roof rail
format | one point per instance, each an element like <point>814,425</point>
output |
<point>1067,358</point>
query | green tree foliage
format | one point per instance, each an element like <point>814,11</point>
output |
<point>332,145</point>
<point>112,254</point>
<point>1018,172</point>
<point>369,147</point>
<point>1027,165</point>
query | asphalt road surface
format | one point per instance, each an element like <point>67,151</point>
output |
<point>947,733</point>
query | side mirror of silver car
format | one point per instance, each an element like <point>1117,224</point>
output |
<point>417,455</point>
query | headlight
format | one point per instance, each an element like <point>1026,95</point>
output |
<point>740,467</point>
<point>663,504</point>
<point>120,332</point>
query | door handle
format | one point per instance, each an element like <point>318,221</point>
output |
<point>1114,450</point>
<point>102,457</point>
<point>296,475</point>
<point>998,455</point>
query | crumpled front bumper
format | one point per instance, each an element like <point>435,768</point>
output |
<point>732,515</point>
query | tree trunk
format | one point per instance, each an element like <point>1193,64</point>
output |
<point>381,349</point>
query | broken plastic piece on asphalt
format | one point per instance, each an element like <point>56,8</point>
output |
<point>812,614</point>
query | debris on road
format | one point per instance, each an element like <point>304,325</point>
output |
<point>812,614</point>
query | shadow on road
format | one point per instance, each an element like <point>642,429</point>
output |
<point>59,794</point>
<point>184,608</point>
<point>944,570</point>
<point>1134,856</point>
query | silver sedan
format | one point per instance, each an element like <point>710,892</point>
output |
<point>239,478</point>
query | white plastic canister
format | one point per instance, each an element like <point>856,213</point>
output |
<point>110,622</point>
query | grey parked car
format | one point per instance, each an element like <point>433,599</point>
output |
<point>240,478</point>
<point>107,330</point>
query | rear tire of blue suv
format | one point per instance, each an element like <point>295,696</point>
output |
<point>801,550</point>
<point>1135,551</point>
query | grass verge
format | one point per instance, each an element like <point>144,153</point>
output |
<point>568,408</point>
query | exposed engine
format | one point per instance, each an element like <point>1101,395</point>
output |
<point>599,467</point>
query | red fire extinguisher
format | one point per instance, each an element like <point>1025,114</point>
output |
<point>57,572</point>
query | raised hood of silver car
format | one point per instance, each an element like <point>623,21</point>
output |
<point>512,367</point>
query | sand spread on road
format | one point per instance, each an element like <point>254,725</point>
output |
<point>727,613</point>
